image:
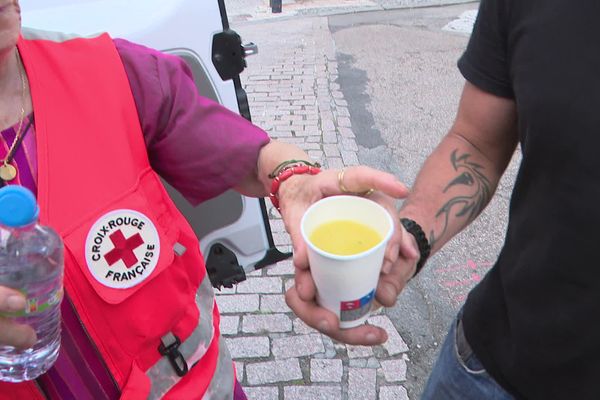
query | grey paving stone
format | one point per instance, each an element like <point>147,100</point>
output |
<point>301,328</point>
<point>239,370</point>
<point>330,351</point>
<point>273,303</point>
<point>225,290</point>
<point>359,351</point>
<point>280,134</point>
<point>282,268</point>
<point>285,249</point>
<point>313,135</point>
<point>284,128</point>
<point>255,273</point>
<point>266,323</point>
<point>394,370</point>
<point>323,370</point>
<point>277,226</point>
<point>248,347</point>
<point>283,121</point>
<point>316,155</point>
<point>298,128</point>
<point>350,157</point>
<point>262,393</point>
<point>330,137</point>
<point>229,325</point>
<point>296,141</point>
<point>302,133</point>
<point>237,303</point>
<point>281,238</point>
<point>357,363</point>
<point>346,132</point>
<point>331,150</point>
<point>258,78</point>
<point>325,106</point>
<point>328,125</point>
<point>392,393</point>
<point>362,383</point>
<point>311,146</point>
<point>273,371</point>
<point>395,344</point>
<point>259,96</point>
<point>288,284</point>
<point>335,163</point>
<point>349,144</point>
<point>260,285</point>
<point>342,111</point>
<point>312,393</point>
<point>340,101</point>
<point>297,346</point>
<point>373,362</point>
<point>336,94</point>
<point>344,121</point>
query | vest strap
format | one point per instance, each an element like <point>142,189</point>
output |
<point>193,350</point>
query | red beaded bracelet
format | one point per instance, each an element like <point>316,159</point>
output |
<point>285,174</point>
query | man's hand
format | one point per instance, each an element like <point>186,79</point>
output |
<point>393,280</point>
<point>296,195</point>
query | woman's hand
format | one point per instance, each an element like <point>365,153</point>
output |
<point>300,191</point>
<point>12,334</point>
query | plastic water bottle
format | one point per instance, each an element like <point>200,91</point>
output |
<point>31,261</point>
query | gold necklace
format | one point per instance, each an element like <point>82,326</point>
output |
<point>8,172</point>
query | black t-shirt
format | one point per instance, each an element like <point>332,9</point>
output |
<point>534,321</point>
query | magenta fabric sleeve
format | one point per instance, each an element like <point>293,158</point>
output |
<point>200,147</point>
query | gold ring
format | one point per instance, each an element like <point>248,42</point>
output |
<point>341,181</point>
<point>343,188</point>
<point>367,193</point>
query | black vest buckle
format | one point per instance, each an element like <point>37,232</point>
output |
<point>169,347</point>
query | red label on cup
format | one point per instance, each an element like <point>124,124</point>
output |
<point>355,309</point>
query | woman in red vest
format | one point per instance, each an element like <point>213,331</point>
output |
<point>112,116</point>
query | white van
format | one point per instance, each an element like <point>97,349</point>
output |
<point>234,232</point>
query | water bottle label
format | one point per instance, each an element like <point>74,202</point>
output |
<point>37,305</point>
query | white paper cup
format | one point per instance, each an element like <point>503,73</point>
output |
<point>346,284</point>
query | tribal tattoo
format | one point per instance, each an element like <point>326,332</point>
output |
<point>470,175</point>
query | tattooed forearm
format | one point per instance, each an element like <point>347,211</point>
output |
<point>468,204</point>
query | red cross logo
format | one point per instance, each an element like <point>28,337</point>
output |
<point>124,249</point>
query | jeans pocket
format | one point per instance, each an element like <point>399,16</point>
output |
<point>464,353</point>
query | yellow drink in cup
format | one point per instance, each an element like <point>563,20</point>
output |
<point>346,238</point>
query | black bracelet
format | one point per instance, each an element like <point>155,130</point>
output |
<point>424,247</point>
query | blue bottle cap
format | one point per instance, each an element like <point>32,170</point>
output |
<point>18,206</point>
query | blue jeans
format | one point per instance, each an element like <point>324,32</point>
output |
<point>458,373</point>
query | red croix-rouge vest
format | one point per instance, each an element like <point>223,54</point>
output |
<point>126,271</point>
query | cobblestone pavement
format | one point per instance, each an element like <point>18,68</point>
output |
<point>295,97</point>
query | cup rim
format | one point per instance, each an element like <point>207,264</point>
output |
<point>333,256</point>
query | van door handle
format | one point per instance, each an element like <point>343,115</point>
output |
<point>249,49</point>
